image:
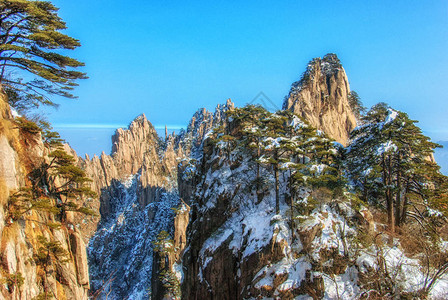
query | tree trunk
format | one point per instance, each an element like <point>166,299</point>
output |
<point>258,174</point>
<point>390,212</point>
<point>405,205</point>
<point>291,204</point>
<point>388,192</point>
<point>398,202</point>
<point>277,197</point>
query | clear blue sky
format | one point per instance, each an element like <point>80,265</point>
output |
<point>168,58</point>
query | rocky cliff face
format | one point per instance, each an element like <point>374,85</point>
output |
<point>201,123</point>
<point>138,149</point>
<point>321,97</point>
<point>187,216</point>
<point>319,245</point>
<point>139,198</point>
<point>22,273</point>
<point>238,247</point>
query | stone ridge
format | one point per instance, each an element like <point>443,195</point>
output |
<point>321,97</point>
<point>139,150</point>
<point>130,146</point>
<point>154,163</point>
<point>201,123</point>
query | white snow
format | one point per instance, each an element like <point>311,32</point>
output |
<point>342,286</point>
<point>318,169</point>
<point>125,238</point>
<point>178,271</point>
<point>296,273</point>
<point>386,147</point>
<point>434,212</point>
<point>392,115</point>
<point>15,113</point>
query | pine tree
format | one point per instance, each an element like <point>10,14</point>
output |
<point>56,185</point>
<point>30,37</point>
<point>356,104</point>
<point>62,180</point>
<point>389,158</point>
<point>164,246</point>
<point>274,129</point>
<point>46,255</point>
<point>251,121</point>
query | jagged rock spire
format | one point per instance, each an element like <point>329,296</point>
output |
<point>321,97</point>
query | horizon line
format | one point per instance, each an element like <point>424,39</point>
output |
<point>109,126</point>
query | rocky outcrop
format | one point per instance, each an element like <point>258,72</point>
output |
<point>166,276</point>
<point>238,248</point>
<point>200,125</point>
<point>135,150</point>
<point>8,170</point>
<point>22,239</point>
<point>79,252</point>
<point>138,188</point>
<point>139,150</point>
<point>181,221</point>
<point>321,97</point>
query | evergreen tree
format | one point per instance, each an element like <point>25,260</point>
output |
<point>62,180</point>
<point>56,185</point>
<point>389,158</point>
<point>30,35</point>
<point>273,150</point>
<point>356,104</point>
<point>164,246</point>
<point>251,119</point>
<point>46,255</point>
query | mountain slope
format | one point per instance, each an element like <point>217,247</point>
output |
<point>139,198</point>
<point>323,243</point>
<point>272,215</point>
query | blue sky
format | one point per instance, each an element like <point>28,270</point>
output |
<point>168,58</point>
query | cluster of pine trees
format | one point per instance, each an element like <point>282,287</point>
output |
<point>388,163</point>
<point>388,167</point>
<point>288,147</point>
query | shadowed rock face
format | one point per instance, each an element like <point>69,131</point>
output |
<point>138,188</point>
<point>139,150</point>
<point>321,97</point>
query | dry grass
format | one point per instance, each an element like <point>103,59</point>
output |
<point>379,216</point>
<point>411,238</point>
<point>322,195</point>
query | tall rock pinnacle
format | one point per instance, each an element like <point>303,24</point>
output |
<point>321,97</point>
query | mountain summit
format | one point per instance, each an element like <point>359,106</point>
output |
<point>243,204</point>
<point>321,97</point>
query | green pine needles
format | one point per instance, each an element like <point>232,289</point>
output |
<point>390,163</point>
<point>282,143</point>
<point>31,65</point>
<point>57,184</point>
